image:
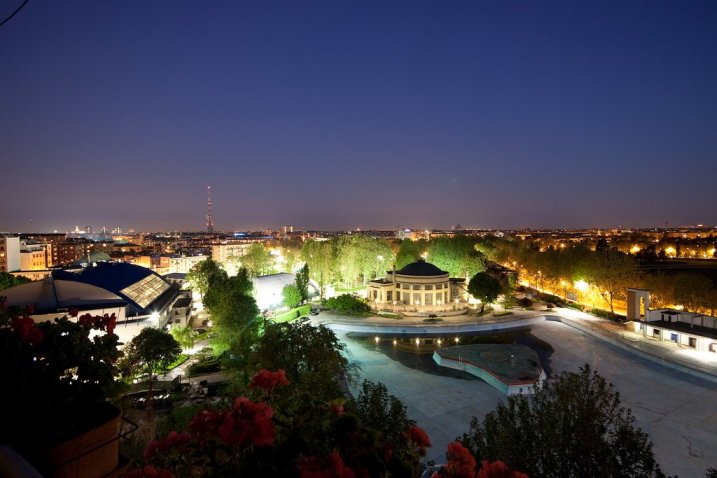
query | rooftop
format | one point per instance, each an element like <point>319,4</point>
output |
<point>421,268</point>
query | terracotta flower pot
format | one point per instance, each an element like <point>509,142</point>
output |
<point>92,451</point>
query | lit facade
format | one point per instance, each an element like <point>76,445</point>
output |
<point>420,287</point>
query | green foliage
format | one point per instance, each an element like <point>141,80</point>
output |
<point>311,357</point>
<point>456,255</point>
<point>348,304</point>
<point>292,314</point>
<point>257,260</point>
<point>234,313</point>
<point>408,252</point>
<point>612,273</point>
<point>202,275</point>
<point>184,336</point>
<point>361,258</point>
<point>53,374</point>
<point>485,288</point>
<point>695,292</point>
<point>8,280</point>
<point>151,351</point>
<point>291,295</point>
<point>575,426</point>
<point>320,257</point>
<point>386,413</point>
<point>302,282</point>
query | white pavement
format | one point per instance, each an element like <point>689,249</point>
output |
<point>676,409</point>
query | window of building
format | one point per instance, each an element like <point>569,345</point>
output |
<point>416,287</point>
<point>416,299</point>
<point>439,286</point>
<point>389,295</point>
<point>398,295</point>
<point>428,287</point>
<point>693,342</point>
<point>428,299</point>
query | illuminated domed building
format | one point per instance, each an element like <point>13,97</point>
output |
<point>420,288</point>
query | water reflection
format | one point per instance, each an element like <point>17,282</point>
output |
<point>416,351</point>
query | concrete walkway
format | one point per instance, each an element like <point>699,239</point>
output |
<point>675,408</point>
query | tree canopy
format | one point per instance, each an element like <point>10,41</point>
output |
<point>310,355</point>
<point>456,255</point>
<point>320,258</point>
<point>291,295</point>
<point>257,260</point>
<point>485,288</point>
<point>574,426</point>
<point>234,313</point>
<point>202,275</point>
<point>151,351</point>
<point>409,251</point>
<point>8,280</point>
<point>302,282</point>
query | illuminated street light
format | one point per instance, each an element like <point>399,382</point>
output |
<point>581,285</point>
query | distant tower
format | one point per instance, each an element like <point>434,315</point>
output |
<point>210,223</point>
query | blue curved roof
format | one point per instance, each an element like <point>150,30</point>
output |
<point>116,277</point>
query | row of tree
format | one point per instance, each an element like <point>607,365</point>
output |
<point>606,270</point>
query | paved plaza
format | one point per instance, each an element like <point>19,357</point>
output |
<point>676,409</point>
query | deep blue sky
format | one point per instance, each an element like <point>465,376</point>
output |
<point>358,114</point>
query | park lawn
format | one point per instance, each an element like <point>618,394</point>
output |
<point>180,360</point>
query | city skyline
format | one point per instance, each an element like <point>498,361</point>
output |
<point>328,116</point>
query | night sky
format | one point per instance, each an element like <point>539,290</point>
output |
<point>362,114</point>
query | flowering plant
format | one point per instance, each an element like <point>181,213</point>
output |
<point>306,439</point>
<point>50,370</point>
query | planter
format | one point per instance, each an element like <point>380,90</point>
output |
<point>91,450</point>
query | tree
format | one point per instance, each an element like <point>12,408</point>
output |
<point>348,304</point>
<point>386,413</point>
<point>291,295</point>
<point>613,272</point>
<point>694,291</point>
<point>184,336</point>
<point>202,275</point>
<point>302,282</point>
<point>320,257</point>
<point>234,313</point>
<point>310,355</point>
<point>485,288</point>
<point>456,255</point>
<point>257,260</point>
<point>151,351</point>
<point>574,426</point>
<point>408,252</point>
<point>8,280</point>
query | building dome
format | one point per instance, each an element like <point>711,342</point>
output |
<point>421,268</point>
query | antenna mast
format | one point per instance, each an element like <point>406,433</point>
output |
<point>210,223</point>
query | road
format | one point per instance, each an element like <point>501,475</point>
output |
<point>677,410</point>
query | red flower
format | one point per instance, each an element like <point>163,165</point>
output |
<point>205,424</point>
<point>267,380</point>
<point>172,440</point>
<point>105,322</point>
<point>419,438</point>
<point>461,463</point>
<point>332,466</point>
<point>248,423</point>
<point>498,469</point>
<point>28,331</point>
<point>149,471</point>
